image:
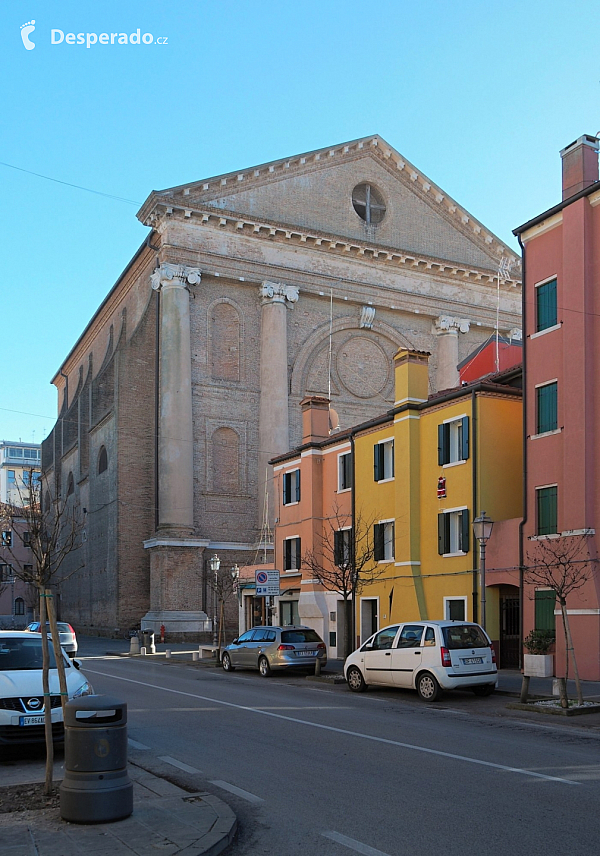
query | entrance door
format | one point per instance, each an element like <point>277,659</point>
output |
<point>368,617</point>
<point>509,631</point>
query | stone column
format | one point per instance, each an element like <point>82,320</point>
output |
<point>176,556</point>
<point>447,329</point>
<point>175,431</point>
<point>273,426</point>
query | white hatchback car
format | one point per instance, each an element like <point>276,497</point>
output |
<point>21,691</point>
<point>429,656</point>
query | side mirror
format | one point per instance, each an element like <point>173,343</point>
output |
<point>77,664</point>
<point>235,641</point>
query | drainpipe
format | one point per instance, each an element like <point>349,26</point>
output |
<point>475,502</point>
<point>156,407</point>
<point>524,520</point>
<point>353,623</point>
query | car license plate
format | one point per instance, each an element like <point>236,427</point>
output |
<point>472,661</point>
<point>32,720</point>
<point>305,653</point>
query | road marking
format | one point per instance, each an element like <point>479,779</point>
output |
<point>136,745</point>
<point>179,764</point>
<point>347,732</point>
<point>239,792</point>
<point>357,846</point>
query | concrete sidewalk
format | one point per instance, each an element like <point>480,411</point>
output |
<point>165,819</point>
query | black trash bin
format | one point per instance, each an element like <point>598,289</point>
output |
<point>96,787</point>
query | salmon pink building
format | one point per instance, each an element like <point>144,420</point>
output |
<point>561,334</point>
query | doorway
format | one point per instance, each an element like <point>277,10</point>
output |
<point>510,626</point>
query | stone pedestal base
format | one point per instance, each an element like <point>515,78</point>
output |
<point>177,622</point>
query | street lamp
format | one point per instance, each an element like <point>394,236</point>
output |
<point>215,564</point>
<point>482,530</point>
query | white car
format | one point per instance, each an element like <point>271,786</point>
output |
<point>429,656</point>
<point>21,691</point>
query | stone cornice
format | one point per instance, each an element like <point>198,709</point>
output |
<point>375,146</point>
<point>232,222</point>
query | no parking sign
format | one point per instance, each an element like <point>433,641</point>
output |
<point>267,583</point>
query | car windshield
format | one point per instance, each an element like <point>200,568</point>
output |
<point>464,636</point>
<point>21,654</point>
<point>299,636</point>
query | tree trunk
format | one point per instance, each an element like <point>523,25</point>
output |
<point>47,700</point>
<point>58,655</point>
<point>348,623</point>
<point>563,607</point>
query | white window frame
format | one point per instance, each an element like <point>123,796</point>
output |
<point>341,489</point>
<point>295,489</point>
<point>447,601</point>
<point>389,536</point>
<point>292,538</point>
<point>388,460</point>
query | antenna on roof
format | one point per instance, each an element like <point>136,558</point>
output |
<point>504,266</point>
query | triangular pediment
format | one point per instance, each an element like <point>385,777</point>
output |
<point>318,191</point>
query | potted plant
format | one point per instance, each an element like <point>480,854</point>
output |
<point>539,661</point>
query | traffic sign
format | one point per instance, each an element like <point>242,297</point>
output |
<point>267,583</point>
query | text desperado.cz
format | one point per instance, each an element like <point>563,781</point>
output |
<point>58,37</point>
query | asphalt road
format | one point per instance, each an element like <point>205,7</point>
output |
<point>312,769</point>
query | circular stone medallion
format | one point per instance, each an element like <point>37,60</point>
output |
<point>363,367</point>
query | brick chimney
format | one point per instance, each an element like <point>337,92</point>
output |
<point>579,165</point>
<point>315,418</point>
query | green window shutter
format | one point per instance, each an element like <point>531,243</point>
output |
<point>547,520</point>
<point>545,602</point>
<point>546,315</point>
<point>287,488</point>
<point>378,462</point>
<point>443,533</point>
<point>443,444</point>
<point>465,439</point>
<point>297,485</point>
<point>464,530</point>
<point>547,410</point>
<point>298,562</point>
<point>287,555</point>
<point>338,548</point>
<point>378,545</point>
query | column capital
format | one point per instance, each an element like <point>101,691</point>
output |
<point>448,324</point>
<point>172,274</point>
<point>278,292</point>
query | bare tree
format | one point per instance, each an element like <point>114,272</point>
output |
<point>53,530</point>
<point>224,583</point>
<point>343,560</point>
<point>564,566</point>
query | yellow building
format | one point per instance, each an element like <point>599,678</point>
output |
<point>422,474</point>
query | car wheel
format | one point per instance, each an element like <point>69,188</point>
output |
<point>226,663</point>
<point>428,688</point>
<point>485,690</point>
<point>356,682</point>
<point>263,667</point>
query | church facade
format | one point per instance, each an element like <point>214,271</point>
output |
<point>253,289</point>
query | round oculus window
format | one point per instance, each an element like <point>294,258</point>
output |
<point>368,203</point>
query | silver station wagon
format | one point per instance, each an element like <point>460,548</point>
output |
<point>267,648</point>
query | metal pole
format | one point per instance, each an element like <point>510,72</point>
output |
<point>482,578</point>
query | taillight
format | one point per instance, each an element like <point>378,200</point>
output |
<point>493,654</point>
<point>446,659</point>
<point>71,629</point>
<point>286,648</point>
<point>321,645</point>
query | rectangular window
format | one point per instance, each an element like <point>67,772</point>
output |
<point>545,302</point>
<point>455,608</point>
<point>453,441</point>
<point>547,519</point>
<point>291,554</point>
<point>289,612</point>
<point>453,532</point>
<point>6,572</point>
<point>383,460</point>
<point>345,471</point>
<point>342,548</point>
<point>545,602</point>
<point>26,538</point>
<point>12,478</point>
<point>291,487</point>
<point>547,411</point>
<point>7,538</point>
<point>383,541</point>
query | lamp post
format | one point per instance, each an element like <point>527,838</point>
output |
<point>215,564</point>
<point>482,530</point>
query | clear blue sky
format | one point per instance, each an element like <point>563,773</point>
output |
<point>480,96</point>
